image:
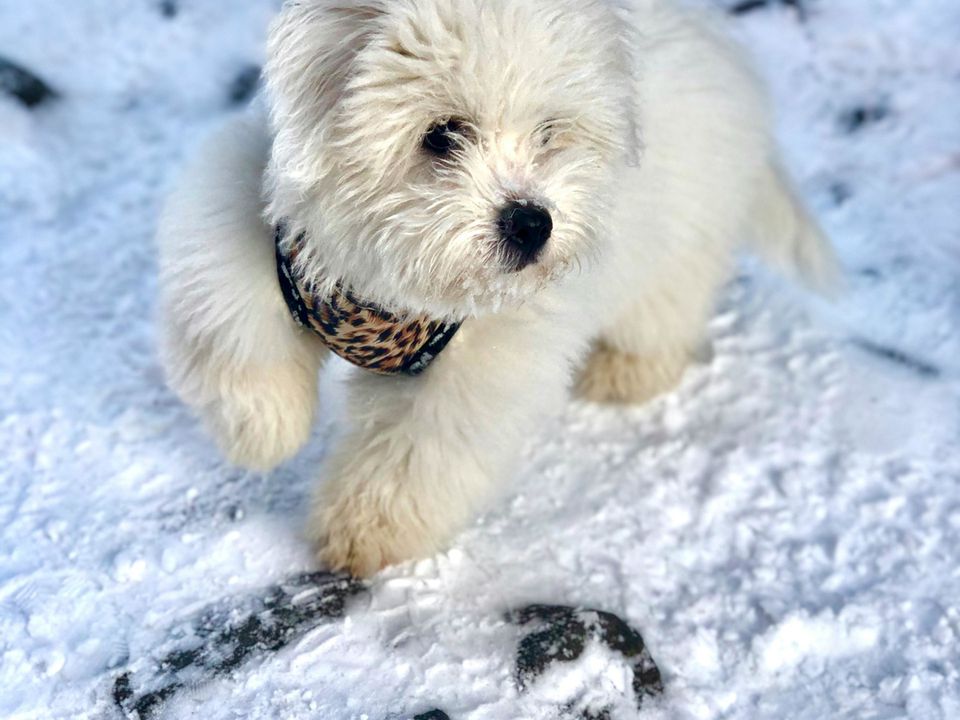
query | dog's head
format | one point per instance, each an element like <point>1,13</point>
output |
<point>447,156</point>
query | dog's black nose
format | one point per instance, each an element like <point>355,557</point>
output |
<point>524,230</point>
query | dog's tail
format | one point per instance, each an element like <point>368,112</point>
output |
<point>789,238</point>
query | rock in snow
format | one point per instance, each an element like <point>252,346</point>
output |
<point>245,85</point>
<point>23,84</point>
<point>222,638</point>
<point>561,634</point>
<point>433,715</point>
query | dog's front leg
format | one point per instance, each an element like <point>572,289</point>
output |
<point>229,346</point>
<point>421,455</point>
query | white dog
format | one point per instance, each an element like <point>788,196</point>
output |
<point>562,183</point>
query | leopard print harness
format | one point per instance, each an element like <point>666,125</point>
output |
<point>360,332</point>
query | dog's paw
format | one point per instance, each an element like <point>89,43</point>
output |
<point>612,376</point>
<point>262,442</point>
<point>261,421</point>
<point>362,539</point>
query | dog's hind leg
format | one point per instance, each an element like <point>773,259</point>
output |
<point>230,348</point>
<point>645,349</point>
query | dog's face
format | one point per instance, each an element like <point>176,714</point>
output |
<point>448,156</point>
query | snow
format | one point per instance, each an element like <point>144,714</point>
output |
<point>784,529</point>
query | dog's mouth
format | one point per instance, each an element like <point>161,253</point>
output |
<point>514,280</point>
<point>516,263</point>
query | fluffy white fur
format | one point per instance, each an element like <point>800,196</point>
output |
<point>638,128</point>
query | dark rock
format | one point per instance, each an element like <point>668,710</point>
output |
<point>840,192</point>
<point>24,85</point>
<point>433,715</point>
<point>122,692</point>
<point>146,705</point>
<point>560,635</point>
<point>214,643</point>
<point>561,639</point>
<point>628,642</point>
<point>602,714</point>
<point>245,85</point>
<point>169,8</point>
<point>857,118</point>
<point>748,6</point>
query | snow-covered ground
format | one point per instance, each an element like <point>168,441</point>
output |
<point>784,529</point>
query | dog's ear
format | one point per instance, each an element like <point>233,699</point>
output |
<point>628,45</point>
<point>311,52</point>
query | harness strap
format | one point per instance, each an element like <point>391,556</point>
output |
<point>362,333</point>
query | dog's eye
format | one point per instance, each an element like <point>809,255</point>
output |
<point>547,131</point>
<point>441,138</point>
